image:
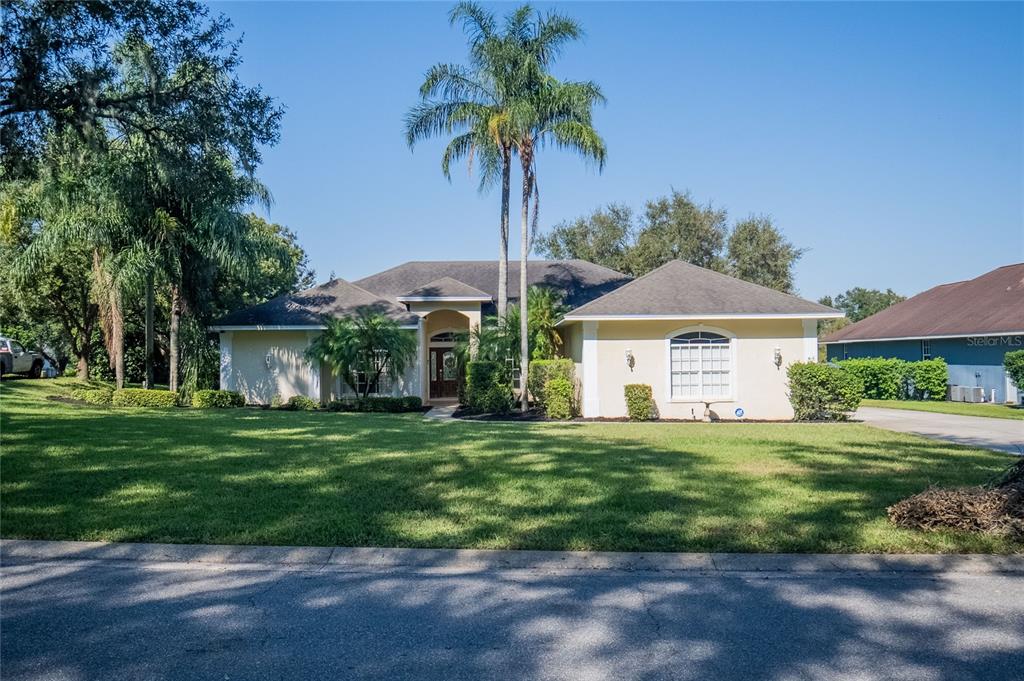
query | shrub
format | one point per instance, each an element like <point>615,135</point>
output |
<point>487,389</point>
<point>217,399</point>
<point>393,405</point>
<point>137,397</point>
<point>542,370</point>
<point>640,402</point>
<point>93,394</point>
<point>823,392</point>
<point>929,378</point>
<point>559,392</point>
<point>301,403</point>
<point>1014,364</point>
<point>883,378</point>
<point>276,402</point>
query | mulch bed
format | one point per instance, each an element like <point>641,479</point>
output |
<point>997,508</point>
<point>536,415</point>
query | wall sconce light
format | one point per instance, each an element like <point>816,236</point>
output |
<point>630,360</point>
<point>777,357</point>
<point>269,359</point>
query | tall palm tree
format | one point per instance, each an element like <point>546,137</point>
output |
<point>546,111</point>
<point>472,103</point>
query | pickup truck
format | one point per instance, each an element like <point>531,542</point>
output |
<point>15,359</point>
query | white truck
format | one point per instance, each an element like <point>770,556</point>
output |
<point>15,359</point>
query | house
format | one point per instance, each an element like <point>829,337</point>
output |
<point>971,324</point>
<point>694,335</point>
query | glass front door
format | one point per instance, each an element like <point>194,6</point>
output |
<point>444,373</point>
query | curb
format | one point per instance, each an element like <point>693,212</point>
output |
<point>479,560</point>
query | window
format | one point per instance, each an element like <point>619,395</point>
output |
<point>926,349</point>
<point>701,365</point>
<point>382,384</point>
<point>444,337</point>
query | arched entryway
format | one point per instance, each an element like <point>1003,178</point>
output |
<point>443,365</point>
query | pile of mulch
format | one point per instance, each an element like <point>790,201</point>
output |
<point>996,508</point>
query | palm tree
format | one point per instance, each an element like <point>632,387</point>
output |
<point>360,349</point>
<point>546,111</point>
<point>473,104</point>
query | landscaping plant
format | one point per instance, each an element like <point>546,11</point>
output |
<point>99,395</point>
<point>137,397</point>
<point>929,378</point>
<point>640,402</point>
<point>301,403</point>
<point>823,392</point>
<point>487,388</point>
<point>543,370</point>
<point>1014,364</point>
<point>561,401</point>
<point>217,399</point>
<point>883,378</point>
<point>361,348</point>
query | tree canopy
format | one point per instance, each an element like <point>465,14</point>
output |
<point>676,227</point>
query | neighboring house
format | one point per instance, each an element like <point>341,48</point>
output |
<point>693,334</point>
<point>970,324</point>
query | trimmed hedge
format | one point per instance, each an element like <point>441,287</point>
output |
<point>384,404</point>
<point>543,370</point>
<point>884,378</point>
<point>1013,362</point>
<point>217,399</point>
<point>300,403</point>
<point>640,402</point>
<point>823,392</point>
<point>559,392</point>
<point>487,390</point>
<point>929,378</point>
<point>137,397</point>
<point>98,395</point>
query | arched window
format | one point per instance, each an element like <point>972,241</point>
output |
<point>444,337</point>
<point>701,366</point>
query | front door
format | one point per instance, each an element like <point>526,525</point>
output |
<point>444,373</point>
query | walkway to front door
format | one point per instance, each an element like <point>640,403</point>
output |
<point>444,374</point>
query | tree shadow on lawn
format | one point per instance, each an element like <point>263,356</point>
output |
<point>104,620</point>
<point>262,477</point>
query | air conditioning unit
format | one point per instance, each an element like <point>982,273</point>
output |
<point>956,393</point>
<point>974,394</point>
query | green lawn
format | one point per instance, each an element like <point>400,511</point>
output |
<point>996,411</point>
<point>270,477</point>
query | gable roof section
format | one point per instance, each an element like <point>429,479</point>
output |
<point>336,298</point>
<point>578,280</point>
<point>679,289</point>
<point>444,288</point>
<point>991,304</point>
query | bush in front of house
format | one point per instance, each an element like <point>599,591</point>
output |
<point>300,403</point>
<point>542,370</point>
<point>487,390</point>
<point>560,400</point>
<point>823,392</point>
<point>137,397</point>
<point>929,378</point>
<point>380,404</point>
<point>217,399</point>
<point>98,395</point>
<point>640,402</point>
<point>1013,362</point>
<point>883,378</point>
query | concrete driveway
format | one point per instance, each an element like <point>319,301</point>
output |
<point>1004,435</point>
<point>250,613</point>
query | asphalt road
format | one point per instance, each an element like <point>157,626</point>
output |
<point>1005,435</point>
<point>124,620</point>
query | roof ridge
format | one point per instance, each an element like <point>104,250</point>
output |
<point>623,287</point>
<point>753,283</point>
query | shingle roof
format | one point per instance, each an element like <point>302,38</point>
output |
<point>336,298</point>
<point>990,304</point>
<point>445,287</point>
<point>579,281</point>
<point>679,288</point>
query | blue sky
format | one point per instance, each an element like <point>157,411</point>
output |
<point>887,139</point>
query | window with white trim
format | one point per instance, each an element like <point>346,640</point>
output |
<point>926,349</point>
<point>701,365</point>
<point>379,384</point>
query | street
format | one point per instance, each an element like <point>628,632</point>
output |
<point>165,619</point>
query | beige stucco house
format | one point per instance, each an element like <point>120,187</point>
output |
<point>696,336</point>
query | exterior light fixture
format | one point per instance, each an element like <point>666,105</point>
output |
<point>777,356</point>
<point>269,359</point>
<point>630,360</point>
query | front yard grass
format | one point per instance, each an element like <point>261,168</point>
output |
<point>996,411</point>
<point>251,476</point>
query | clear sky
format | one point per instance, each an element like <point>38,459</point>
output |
<point>887,139</point>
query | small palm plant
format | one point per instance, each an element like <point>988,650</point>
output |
<point>361,349</point>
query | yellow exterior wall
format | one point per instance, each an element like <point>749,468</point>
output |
<point>759,385</point>
<point>290,373</point>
